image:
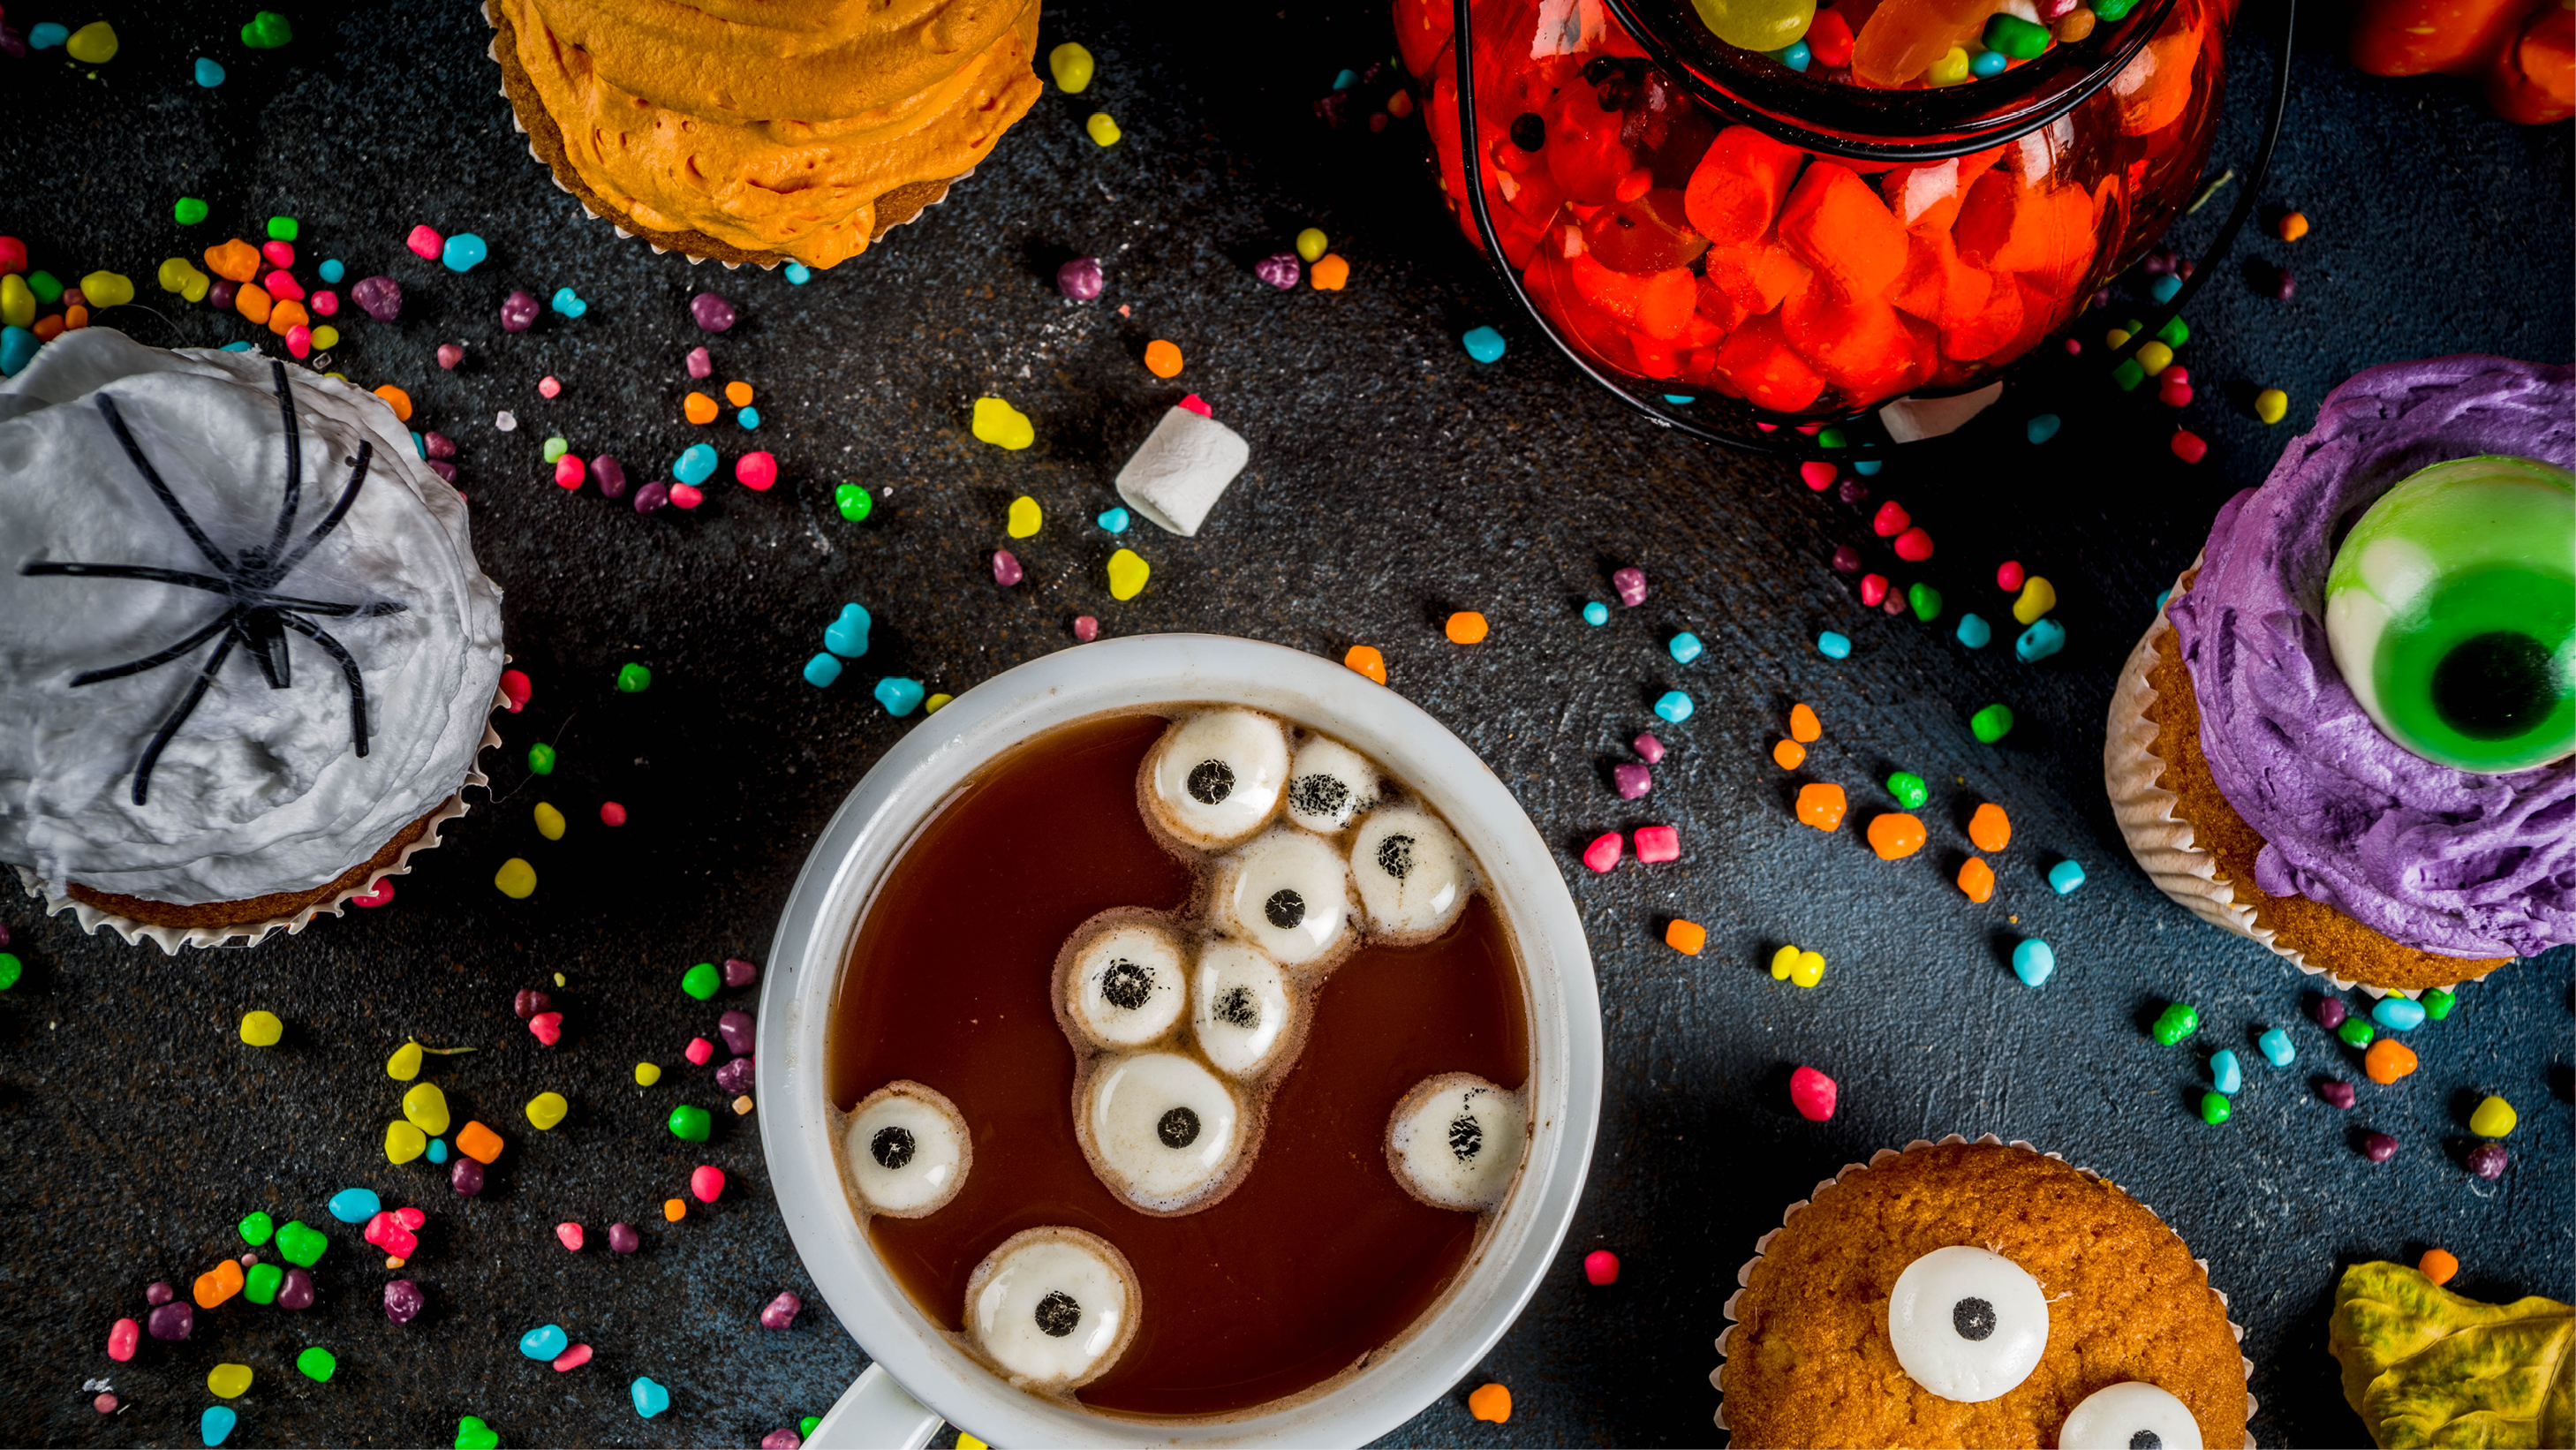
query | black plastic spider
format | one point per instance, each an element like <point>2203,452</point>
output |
<point>256,617</point>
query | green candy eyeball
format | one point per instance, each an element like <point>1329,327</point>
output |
<point>2451,610</point>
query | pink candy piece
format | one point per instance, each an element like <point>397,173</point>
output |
<point>1817,474</point>
<point>449,355</point>
<point>1631,586</point>
<point>1198,405</point>
<point>570,471</point>
<point>782,1438</point>
<point>780,1313</point>
<point>326,303</point>
<point>686,496</point>
<point>700,364</point>
<point>1892,604</point>
<point>515,689</point>
<point>1914,545</point>
<point>1648,749</point>
<point>611,814</point>
<point>278,251</point>
<point>374,896</point>
<point>699,1051</point>
<point>1873,588</point>
<point>1631,779</point>
<point>573,1358</point>
<point>756,471</point>
<point>1604,851</point>
<point>570,1235</point>
<point>547,1028</point>
<point>388,1232</point>
<point>283,287</point>
<point>299,340</point>
<point>122,1337</point>
<point>1085,628</point>
<point>2008,576</point>
<point>410,1218</point>
<point>707,1182</point>
<point>105,1404</point>
<point>1659,843</point>
<point>1601,1267</point>
<point>1890,520</point>
<point>425,241</point>
<point>1812,1094</point>
<point>1006,568</point>
<point>2074,347</point>
<point>1811,429</point>
<point>548,387</point>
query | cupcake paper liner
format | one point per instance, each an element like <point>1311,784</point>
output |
<point>1744,1275</point>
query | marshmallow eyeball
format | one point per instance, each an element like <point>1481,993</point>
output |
<point>1053,1308</point>
<point>906,1150</point>
<point>1413,876</point>
<point>2130,1416</point>
<point>1967,1324</point>
<point>1330,785</point>
<point>1455,1141</point>
<point>1127,985</point>
<point>1162,1131</point>
<point>1288,894</point>
<point>1241,1009</point>
<point>1216,778</point>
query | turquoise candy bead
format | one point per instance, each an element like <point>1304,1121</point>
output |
<point>1974,632</point>
<point>695,465</point>
<point>438,1150</point>
<point>2065,876</point>
<point>1114,521</point>
<point>650,1398</point>
<point>2276,1047</point>
<point>797,274</point>
<point>1685,647</point>
<point>1831,645</point>
<point>2033,961</point>
<point>46,34</point>
<point>2225,1073</point>
<point>1987,64</point>
<point>216,1424</point>
<point>822,670</point>
<point>2040,641</point>
<point>900,696</point>
<point>332,270</point>
<point>749,418</point>
<point>1596,613</point>
<point>210,74</point>
<point>1868,467</point>
<point>1674,707</point>
<point>463,252</point>
<point>2041,428</point>
<point>355,1205</point>
<point>1483,344</point>
<point>544,1342</point>
<point>2398,1014</point>
<point>848,635</point>
<point>17,349</point>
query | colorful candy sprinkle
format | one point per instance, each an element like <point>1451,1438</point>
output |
<point>1605,850</point>
<point>1990,828</point>
<point>1791,964</point>
<point>2277,1048</point>
<point>1659,843</point>
<point>1330,273</point>
<point>216,1424</point>
<point>1673,706</point>
<point>2215,1108</point>
<point>1465,627</point>
<point>516,879</point>
<point>262,1029</point>
<point>2487,1160</point>
<point>2438,1265</point>
<point>1895,835</point>
<point>2357,1032</point>
<point>2065,876</point>
<point>478,1142</point>
<point>1601,1267</point>
<point>2225,1073</point>
<point>2271,405</point>
<point>228,1381</point>
<point>1101,128</point>
<point>1490,1402</point>
<point>2178,1021</point>
<point>1991,723</point>
<point>1127,574</point>
<point>1833,646</point>
<point>1821,805</point>
<point>1977,880</point>
<point>707,1182</point>
<point>1812,1094</point>
<point>2398,1014</point>
<point>1367,660</point>
<point>1686,937</point>
<point>2033,961</point>
<point>547,1109</point>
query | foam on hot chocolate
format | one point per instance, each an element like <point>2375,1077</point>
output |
<point>906,1150</point>
<point>1455,1141</point>
<point>1124,979</point>
<point>1053,1308</point>
<point>1217,777</point>
<point>1287,893</point>
<point>1161,1130</point>
<point>1243,1014</point>
<point>1413,876</point>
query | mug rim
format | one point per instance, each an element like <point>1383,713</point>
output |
<point>921,772</point>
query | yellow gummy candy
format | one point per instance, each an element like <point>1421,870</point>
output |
<point>969,1442</point>
<point>1810,969</point>
<point>1071,66</point>
<point>2038,596</point>
<point>17,304</point>
<point>325,338</point>
<point>1002,425</point>
<point>1102,129</point>
<point>1311,243</point>
<point>106,289</point>
<point>2494,1118</point>
<point>403,1142</point>
<point>932,705</point>
<point>174,274</point>
<point>2154,357</point>
<point>262,1029</point>
<point>2271,405</point>
<point>1127,574</point>
<point>1025,517</point>
<point>547,1109</point>
<point>550,823</point>
<point>227,1381</point>
<point>404,1065</point>
<point>516,878</point>
<point>426,1108</point>
<point>1950,69</point>
<point>1783,962</point>
<point>647,1074</point>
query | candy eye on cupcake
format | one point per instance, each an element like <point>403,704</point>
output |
<point>2451,611</point>
<point>1053,1308</point>
<point>1216,777</point>
<point>1241,1010</point>
<point>1455,1141</point>
<point>1126,983</point>
<point>1288,894</point>
<point>1967,1324</point>
<point>1162,1132</point>
<point>2130,1416</point>
<point>1330,785</point>
<point>1412,874</point>
<point>906,1150</point>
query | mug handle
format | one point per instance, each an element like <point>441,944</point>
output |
<point>875,1413</point>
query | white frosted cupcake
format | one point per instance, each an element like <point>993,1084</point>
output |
<point>246,656</point>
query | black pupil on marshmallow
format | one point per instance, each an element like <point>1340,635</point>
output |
<point>1395,856</point>
<point>1973,1317</point>
<point>1178,1128</point>
<point>1126,985</point>
<point>1211,781</point>
<point>1285,908</point>
<point>1318,795</point>
<point>1057,1314</point>
<point>891,1147</point>
<point>1466,1137</point>
<point>2493,686</point>
<point>2146,1440</point>
<point>1237,1009</point>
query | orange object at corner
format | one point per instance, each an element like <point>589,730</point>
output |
<point>2525,50</point>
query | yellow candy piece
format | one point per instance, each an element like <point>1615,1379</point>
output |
<point>516,878</point>
<point>1025,517</point>
<point>1783,962</point>
<point>174,275</point>
<point>1127,574</point>
<point>403,1142</point>
<point>106,289</point>
<point>547,1109</point>
<point>1102,129</point>
<point>1311,243</point>
<point>93,44</point>
<point>1792,965</point>
<point>2116,338</point>
<point>17,304</point>
<point>2038,596</point>
<point>933,705</point>
<point>1002,425</point>
<point>2155,357</point>
<point>404,1065</point>
<point>550,824</point>
<point>2494,1118</point>
<point>325,338</point>
<point>2271,405</point>
<point>647,1074</point>
<point>426,1108</point>
<point>1950,69</point>
<point>262,1029</point>
<point>969,1442</point>
<point>228,1381</point>
<point>1071,66</point>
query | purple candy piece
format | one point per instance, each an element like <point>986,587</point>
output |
<point>13,42</point>
<point>380,296</point>
<point>449,355</point>
<point>403,1301</point>
<point>735,1076</point>
<point>220,294</point>
<point>1079,279</point>
<point>439,445</point>
<point>443,469</point>
<point>1280,271</point>
<point>652,496</point>
<point>2379,1148</point>
<point>623,1238</point>
<point>1852,490</point>
<point>610,475</point>
<point>1846,560</point>
<point>159,1293</point>
<point>1632,779</point>
<point>737,972</point>
<point>780,1313</point>
<point>2336,1092</point>
<point>700,364</point>
<point>782,1438</point>
<point>466,1177</point>
<point>519,312</point>
<point>4,937</point>
<point>2487,1160</point>
<point>529,1002</point>
<point>1648,749</point>
<point>2330,1012</point>
<point>736,1030</point>
<point>2284,286</point>
<point>1006,568</point>
<point>171,1321</point>
<point>1631,584</point>
<point>297,1291</point>
<point>710,312</point>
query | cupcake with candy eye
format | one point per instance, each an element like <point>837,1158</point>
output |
<point>2350,734</point>
<point>1978,1294</point>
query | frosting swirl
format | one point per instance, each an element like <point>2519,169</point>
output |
<point>2436,858</point>
<point>261,791</point>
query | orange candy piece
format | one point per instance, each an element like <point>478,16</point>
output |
<point>251,301</point>
<point>2438,1265</point>
<point>1837,225</point>
<point>1990,828</point>
<point>738,393</point>
<point>234,261</point>
<point>218,1284</point>
<point>1465,627</point>
<point>698,408</point>
<point>1490,1402</point>
<point>1861,345</point>
<point>1789,754</point>
<point>2388,1060</point>
<point>400,401</point>
<point>78,316</point>
<point>674,1209</point>
<point>1895,835</point>
<point>1976,878</point>
<point>286,316</point>
<point>478,1142</point>
<point>48,328</point>
<point>1804,727</point>
<point>1686,937</point>
<point>1366,659</point>
<point>1756,362</point>
<point>1821,805</point>
<point>1162,359</point>
<point>1330,273</point>
<point>1737,190</point>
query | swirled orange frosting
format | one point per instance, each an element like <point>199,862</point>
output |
<point>775,125</point>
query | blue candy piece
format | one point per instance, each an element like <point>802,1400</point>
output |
<point>1796,56</point>
<point>1869,467</point>
<point>210,74</point>
<point>2041,428</point>
<point>822,670</point>
<point>1674,706</point>
<point>1483,344</point>
<point>2225,1073</point>
<point>332,270</point>
<point>463,252</point>
<point>848,635</point>
<point>355,1205</point>
<point>1346,79</point>
<point>2276,1047</point>
<point>1596,613</point>
<point>1974,632</point>
<point>438,1150</point>
<point>216,1424</point>
<point>234,347</point>
<point>2033,961</point>
<point>2065,876</point>
<point>1833,646</point>
<point>2161,596</point>
<point>696,464</point>
<point>45,35</point>
<point>568,302</point>
<point>544,1342</point>
<point>650,1399</point>
<point>1988,64</point>
<point>749,418</point>
<point>1680,400</point>
<point>17,349</point>
<point>798,274</point>
<point>2398,1014</point>
<point>1114,521</point>
<point>419,445</point>
<point>1685,647</point>
<point>2040,641</point>
<point>900,696</point>
<point>2164,287</point>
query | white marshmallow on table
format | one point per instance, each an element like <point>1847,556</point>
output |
<point>1330,785</point>
<point>1456,1140</point>
<point>1181,469</point>
<point>1161,1131</point>
<point>1287,893</point>
<point>1128,984</point>
<point>1412,874</point>
<point>906,1150</point>
<point>1053,1308</point>
<point>1216,777</point>
<point>1241,1009</point>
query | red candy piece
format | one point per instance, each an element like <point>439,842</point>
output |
<point>2188,446</point>
<point>2175,396</point>
<point>707,1181</point>
<point>1829,39</point>
<point>1861,345</point>
<point>13,256</point>
<point>756,471</point>
<point>515,690</point>
<point>425,241</point>
<point>700,1050</point>
<point>278,251</point>
<point>1196,404</point>
<point>388,1232</point>
<point>1914,545</point>
<point>282,287</point>
<point>570,471</point>
<point>411,1218</point>
<point>1891,519</point>
<point>573,1358</point>
<point>1873,588</point>
<point>376,895</point>
<point>1602,1266</point>
<point>326,303</point>
<point>1659,843</point>
<point>125,1334</point>
<point>570,1235</point>
<point>686,496</point>
<point>2008,576</point>
<point>1756,361</point>
<point>547,1027</point>
<point>1604,851</point>
<point>611,814</point>
<point>1818,474</point>
<point>1812,1094</point>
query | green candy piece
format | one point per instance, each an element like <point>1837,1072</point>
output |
<point>2425,1366</point>
<point>256,1226</point>
<point>2129,374</point>
<point>854,501</point>
<point>10,970</point>
<point>633,679</point>
<point>260,1285</point>
<point>1926,601</point>
<point>2438,1003</point>
<point>1909,790</point>
<point>2016,37</point>
<point>188,211</point>
<point>299,1245</point>
<point>541,758</point>
<point>281,229</point>
<point>557,447</point>
<point>2107,11</point>
<point>267,31</point>
<point>2174,333</point>
<point>2215,1108</point>
<point>1992,723</point>
<point>47,287</point>
<point>2356,1032</point>
<point>2176,1022</point>
<point>805,1427</point>
<point>1830,438</point>
<point>473,1434</point>
<point>317,1363</point>
<point>701,981</point>
<point>691,1123</point>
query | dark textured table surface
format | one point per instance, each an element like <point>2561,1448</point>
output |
<point>1393,480</point>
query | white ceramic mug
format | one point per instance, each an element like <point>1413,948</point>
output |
<point>920,1376</point>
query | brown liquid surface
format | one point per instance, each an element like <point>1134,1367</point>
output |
<point>1320,1256</point>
